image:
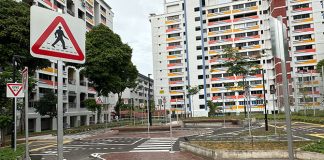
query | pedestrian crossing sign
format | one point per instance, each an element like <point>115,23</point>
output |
<point>56,36</point>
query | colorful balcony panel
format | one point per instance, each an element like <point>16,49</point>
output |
<point>174,64</point>
<point>172,21</point>
<point>251,47</point>
<point>246,19</point>
<point>176,92</point>
<point>246,29</point>
<point>172,30</point>
<point>235,88</point>
<point>90,20</point>
<point>304,30</point>
<point>258,96</point>
<point>302,20</point>
<point>47,82</point>
<point>176,82</point>
<point>304,41</point>
<point>216,98</point>
<point>176,100</point>
<point>228,21</point>
<point>89,9</point>
<point>219,32</point>
<point>298,1</point>
<point>90,2</point>
<point>50,70</point>
<point>309,61</point>
<point>91,89</point>
<point>245,9</point>
<point>310,104</point>
<point>305,51</point>
<point>175,74</point>
<point>174,57</point>
<point>247,38</point>
<point>216,70</point>
<point>173,39</point>
<point>260,86</point>
<point>298,10</point>
<point>217,51</point>
<point>221,41</point>
<point>311,82</point>
<point>240,96</point>
<point>254,76</point>
<point>174,47</point>
<point>209,15</point>
<point>218,60</point>
<point>223,78</point>
<point>218,89</point>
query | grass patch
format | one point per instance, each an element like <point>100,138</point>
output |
<point>7,153</point>
<point>262,132</point>
<point>315,147</point>
<point>249,146</point>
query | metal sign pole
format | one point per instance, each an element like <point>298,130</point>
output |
<point>15,129</point>
<point>171,137</point>
<point>26,112</point>
<point>60,110</point>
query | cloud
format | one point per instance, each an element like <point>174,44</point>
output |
<point>131,22</point>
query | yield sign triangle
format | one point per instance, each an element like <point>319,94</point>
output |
<point>49,52</point>
<point>15,88</point>
<point>99,101</point>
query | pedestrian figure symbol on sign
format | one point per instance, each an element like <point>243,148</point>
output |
<point>59,34</point>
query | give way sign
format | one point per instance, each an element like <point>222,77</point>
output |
<point>56,36</point>
<point>14,90</point>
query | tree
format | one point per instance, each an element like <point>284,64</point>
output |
<point>91,105</point>
<point>14,38</point>
<point>46,106</point>
<point>212,108</point>
<point>191,92</point>
<point>108,63</point>
<point>319,66</point>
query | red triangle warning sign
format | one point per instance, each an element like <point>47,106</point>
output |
<point>14,90</point>
<point>55,44</point>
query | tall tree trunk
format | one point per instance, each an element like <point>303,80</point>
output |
<point>119,102</point>
<point>99,115</point>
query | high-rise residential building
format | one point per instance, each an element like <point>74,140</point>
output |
<point>188,42</point>
<point>76,87</point>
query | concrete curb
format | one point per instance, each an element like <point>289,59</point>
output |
<point>250,154</point>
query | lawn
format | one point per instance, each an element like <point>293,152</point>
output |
<point>7,153</point>
<point>249,146</point>
<point>315,147</point>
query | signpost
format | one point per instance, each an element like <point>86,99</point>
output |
<point>57,37</point>
<point>25,89</point>
<point>14,90</point>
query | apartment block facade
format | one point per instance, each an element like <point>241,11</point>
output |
<point>76,87</point>
<point>188,42</point>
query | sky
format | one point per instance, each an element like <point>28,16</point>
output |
<point>131,22</point>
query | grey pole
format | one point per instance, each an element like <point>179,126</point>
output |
<point>313,98</point>
<point>322,85</point>
<point>60,110</point>
<point>15,129</point>
<point>26,119</point>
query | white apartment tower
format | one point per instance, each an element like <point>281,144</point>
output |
<point>76,87</point>
<point>188,42</point>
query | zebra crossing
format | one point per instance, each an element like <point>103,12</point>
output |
<point>156,145</point>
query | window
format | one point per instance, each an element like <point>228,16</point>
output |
<point>302,26</point>
<point>251,24</point>
<point>223,9</point>
<point>254,33</point>
<point>196,9</point>
<point>197,28</point>
<point>198,38</point>
<point>303,37</point>
<point>225,28</point>
<point>302,16</point>
<point>238,26</point>
<point>197,19</point>
<point>201,96</point>
<point>199,57</point>
<point>304,47</point>
<point>239,6</point>
<point>217,85</point>
<point>202,106</point>
<point>198,48</point>
<point>250,4</point>
<point>200,77</point>
<point>239,35</point>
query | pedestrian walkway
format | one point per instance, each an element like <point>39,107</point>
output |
<point>155,145</point>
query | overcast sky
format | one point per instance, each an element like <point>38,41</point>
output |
<point>132,24</point>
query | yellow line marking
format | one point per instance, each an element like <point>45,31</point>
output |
<point>48,146</point>
<point>314,124</point>
<point>277,126</point>
<point>317,135</point>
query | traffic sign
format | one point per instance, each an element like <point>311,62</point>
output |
<point>142,105</point>
<point>56,36</point>
<point>14,90</point>
<point>164,100</point>
<point>99,100</point>
<point>125,101</point>
<point>25,79</point>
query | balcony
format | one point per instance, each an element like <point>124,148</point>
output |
<point>49,70</point>
<point>252,47</point>
<point>174,47</point>
<point>218,60</point>
<point>304,20</point>
<point>253,8</point>
<point>228,21</point>
<point>300,10</point>
<point>214,98</point>
<point>176,82</point>
<point>90,20</point>
<point>306,62</point>
<point>303,30</point>
<point>304,41</point>
<point>256,27</point>
<point>172,30</point>
<point>175,65</point>
<point>216,51</point>
<point>177,100</point>
<point>175,74</point>
<point>90,2</point>
<point>169,22</point>
<point>246,19</point>
<point>299,1</point>
<point>103,13</point>
<point>220,41</point>
<point>257,96</point>
<point>89,9</point>
<point>219,32</point>
<point>230,78</point>
<point>173,39</point>
<point>305,51</point>
<point>256,37</point>
<point>178,92</point>
<point>72,105</point>
<point>72,81</point>
<point>213,15</point>
<point>218,70</point>
<point>174,57</point>
<point>218,89</point>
